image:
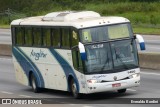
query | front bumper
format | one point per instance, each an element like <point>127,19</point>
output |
<point>107,86</point>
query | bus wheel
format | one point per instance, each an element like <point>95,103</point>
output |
<point>34,84</point>
<point>122,91</point>
<point>74,90</point>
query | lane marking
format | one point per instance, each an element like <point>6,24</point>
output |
<point>151,41</point>
<point>9,59</point>
<point>152,47</point>
<point>150,73</point>
<point>131,90</point>
<point>5,92</point>
<point>87,106</point>
<point>25,96</point>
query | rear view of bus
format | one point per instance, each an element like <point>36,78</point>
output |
<point>101,53</point>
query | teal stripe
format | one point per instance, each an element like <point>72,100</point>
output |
<point>66,67</point>
<point>28,65</point>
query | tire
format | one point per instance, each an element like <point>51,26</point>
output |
<point>34,84</point>
<point>122,91</point>
<point>74,90</point>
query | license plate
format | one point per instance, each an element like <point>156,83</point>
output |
<point>116,85</point>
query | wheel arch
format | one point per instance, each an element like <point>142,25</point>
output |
<point>29,77</point>
<point>70,77</point>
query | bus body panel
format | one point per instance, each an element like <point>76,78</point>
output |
<point>54,76</point>
<point>107,80</point>
<point>54,73</point>
<point>21,76</point>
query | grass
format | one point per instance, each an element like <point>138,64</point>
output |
<point>146,30</point>
<point>144,16</point>
<point>4,26</point>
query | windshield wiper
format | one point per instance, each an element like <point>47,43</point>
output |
<point>118,56</point>
<point>122,62</point>
<point>107,61</point>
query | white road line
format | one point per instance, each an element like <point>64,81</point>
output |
<point>151,41</point>
<point>25,96</point>
<point>5,92</point>
<point>87,106</point>
<point>152,47</point>
<point>150,73</point>
<point>6,59</point>
<point>131,90</point>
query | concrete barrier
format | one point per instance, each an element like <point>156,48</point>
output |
<point>149,60</point>
<point>5,50</point>
<point>146,60</point>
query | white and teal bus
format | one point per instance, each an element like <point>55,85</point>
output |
<point>80,52</point>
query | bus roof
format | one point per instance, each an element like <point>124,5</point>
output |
<point>78,19</point>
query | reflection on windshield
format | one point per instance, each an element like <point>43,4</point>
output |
<point>94,34</point>
<point>105,33</point>
<point>98,58</point>
<point>124,54</point>
<point>107,57</point>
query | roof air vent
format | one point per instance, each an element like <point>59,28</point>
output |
<point>69,15</point>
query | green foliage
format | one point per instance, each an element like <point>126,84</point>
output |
<point>146,30</point>
<point>139,12</point>
<point>77,6</point>
<point>136,12</point>
<point>4,20</point>
<point>145,0</point>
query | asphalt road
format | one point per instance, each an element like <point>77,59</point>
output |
<point>152,41</point>
<point>5,36</point>
<point>9,88</point>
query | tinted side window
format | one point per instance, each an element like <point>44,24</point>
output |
<point>28,36</point>
<point>37,37</point>
<point>65,38</point>
<point>75,59</point>
<point>77,62</point>
<point>74,38</point>
<point>56,37</point>
<point>13,35</point>
<point>46,37</point>
<point>19,35</point>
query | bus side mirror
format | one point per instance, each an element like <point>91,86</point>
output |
<point>82,51</point>
<point>141,42</point>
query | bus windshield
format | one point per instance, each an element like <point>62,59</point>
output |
<point>111,57</point>
<point>104,33</point>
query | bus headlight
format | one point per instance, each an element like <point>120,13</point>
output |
<point>93,81</point>
<point>134,75</point>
